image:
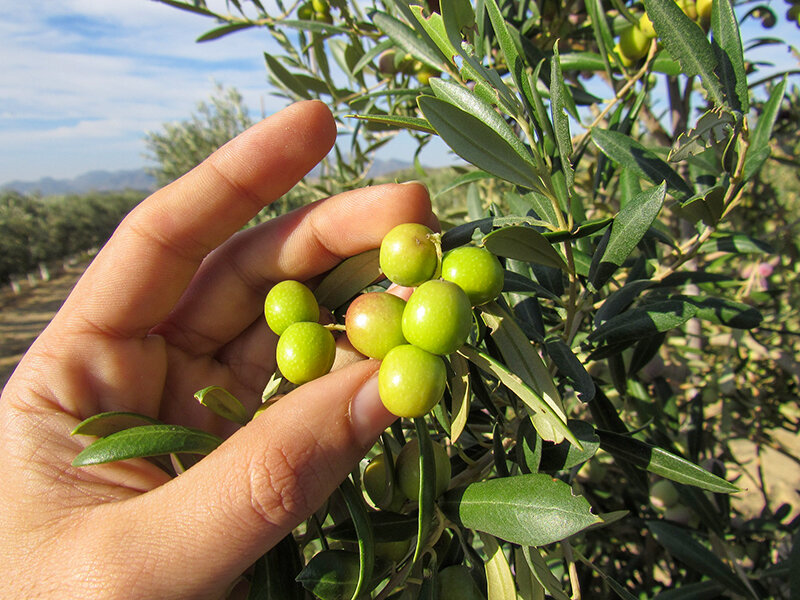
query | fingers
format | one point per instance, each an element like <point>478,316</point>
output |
<point>140,274</point>
<point>228,293</point>
<point>226,511</point>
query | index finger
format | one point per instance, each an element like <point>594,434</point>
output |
<point>136,279</point>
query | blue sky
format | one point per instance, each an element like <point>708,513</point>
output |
<point>83,80</point>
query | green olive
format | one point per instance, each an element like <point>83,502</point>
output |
<point>411,381</point>
<point>407,467</point>
<point>374,323</point>
<point>633,43</point>
<point>476,271</point>
<point>305,351</point>
<point>408,254</point>
<point>663,494</point>
<point>289,302</point>
<point>375,478</point>
<point>437,317</point>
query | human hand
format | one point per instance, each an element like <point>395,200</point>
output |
<point>172,304</point>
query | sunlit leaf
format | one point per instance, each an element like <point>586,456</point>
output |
<point>221,402</point>
<point>348,278</point>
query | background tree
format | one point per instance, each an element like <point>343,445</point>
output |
<point>179,147</point>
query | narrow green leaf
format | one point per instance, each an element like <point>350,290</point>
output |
<point>558,104</point>
<point>371,54</point>
<point>413,123</point>
<point>221,402</point>
<point>363,527</point>
<point>659,461</point>
<point>727,46</point>
<point>687,43</point>
<point>274,573</point>
<point>223,31</point>
<point>147,440</point>
<point>618,588</point>
<point>570,367</point>
<point>736,243</point>
<point>331,574</point>
<point>348,278</point>
<point>406,38</point>
<point>524,243</point>
<point>539,407</point>
<point>707,206</point>
<point>644,321</point>
<point>563,456</point>
<point>465,178</point>
<point>688,550</point>
<point>189,7</point>
<point>284,78</point>
<point>713,128</point>
<point>427,485</point>
<point>702,590</point>
<point>531,510</point>
<point>481,110</point>
<point>386,527</point>
<point>543,574</point>
<point>628,229</point>
<point>631,154</point>
<point>460,392</point>
<point>477,143</point>
<point>499,580</point>
<point>726,312</point>
<point>106,423</point>
<point>759,149</point>
<point>528,447</point>
<point>434,26</point>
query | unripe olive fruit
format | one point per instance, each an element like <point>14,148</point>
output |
<point>305,12</point>
<point>374,323</point>
<point>456,583</point>
<point>689,8</point>
<point>704,11</point>
<point>423,72</point>
<point>476,271</point>
<point>633,43</point>
<point>289,302</point>
<point>386,62</point>
<point>682,514</point>
<point>621,58</point>
<point>320,5</point>
<point>408,254</point>
<point>305,351</point>
<point>323,16</point>
<point>407,469</point>
<point>411,381</point>
<point>392,551</point>
<point>663,494</point>
<point>437,317</point>
<point>646,26</point>
<point>374,478</point>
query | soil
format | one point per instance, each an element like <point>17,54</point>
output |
<point>23,316</point>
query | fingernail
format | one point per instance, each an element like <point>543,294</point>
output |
<point>415,182</point>
<point>368,416</point>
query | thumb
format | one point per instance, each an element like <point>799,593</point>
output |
<point>207,526</point>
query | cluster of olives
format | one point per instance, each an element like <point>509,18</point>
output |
<point>634,42</point>
<point>409,337</point>
<point>793,12</point>
<point>316,10</point>
<point>389,63</point>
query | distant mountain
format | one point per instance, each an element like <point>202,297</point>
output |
<point>138,179</point>
<point>97,181</point>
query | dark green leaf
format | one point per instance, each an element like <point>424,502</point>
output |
<point>386,527</point>
<point>413,123</point>
<point>726,312</point>
<point>147,440</point>
<point>370,54</point>
<point>189,7</point>
<point>570,367</point>
<point>737,244</point>
<point>632,155</point>
<point>531,510</point>
<point>528,447</point>
<point>558,105</point>
<point>727,46</point>
<point>224,30</point>
<point>427,485</point>
<point>348,278</point>
<point>582,230</point>
<point>702,590</point>
<point>713,128</point>
<point>274,573</point>
<point>707,206</point>
<point>477,143</point>
<point>423,49</point>
<point>638,323</point>
<point>107,423</point>
<point>469,177</point>
<point>284,77</point>
<point>659,461</point>
<point>685,548</point>
<point>759,149</point>
<point>221,402</point>
<point>628,229</point>
<point>557,457</point>
<point>620,299</point>
<point>523,243</point>
<point>687,43</point>
<point>331,574</point>
<point>366,542</point>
